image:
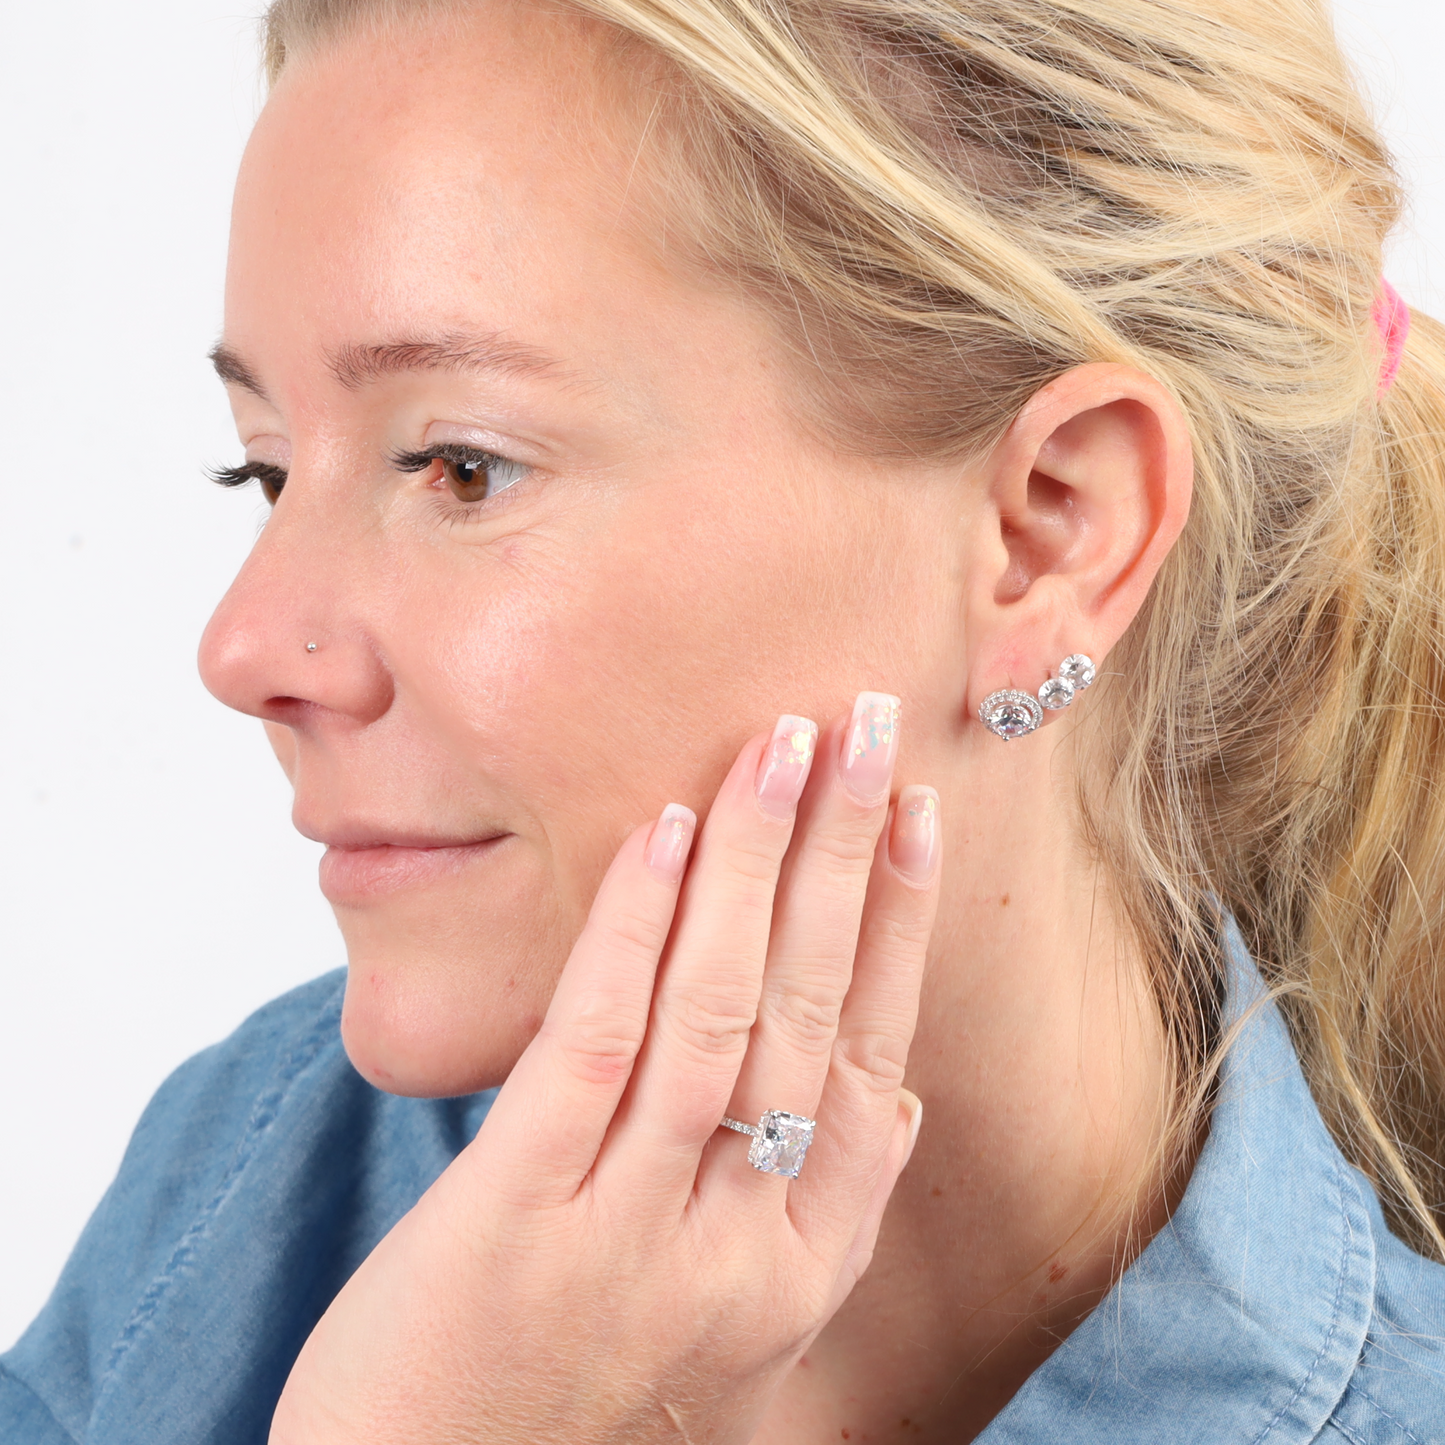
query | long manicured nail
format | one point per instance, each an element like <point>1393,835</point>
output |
<point>671,840</point>
<point>784,768</point>
<point>913,844</point>
<point>870,745</point>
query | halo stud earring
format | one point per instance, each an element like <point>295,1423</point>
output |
<point>1010,714</point>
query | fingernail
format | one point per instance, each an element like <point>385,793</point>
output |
<point>914,1105</point>
<point>785,765</point>
<point>870,745</point>
<point>671,839</point>
<point>913,844</point>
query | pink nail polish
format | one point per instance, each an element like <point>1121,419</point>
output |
<point>870,745</point>
<point>785,766</point>
<point>913,844</point>
<point>671,840</point>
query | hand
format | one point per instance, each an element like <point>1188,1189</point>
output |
<point>601,1264</point>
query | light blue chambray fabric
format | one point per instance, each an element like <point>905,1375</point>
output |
<point>1274,1307</point>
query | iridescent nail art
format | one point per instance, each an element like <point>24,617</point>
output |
<point>871,745</point>
<point>785,766</point>
<point>913,846</point>
<point>671,841</point>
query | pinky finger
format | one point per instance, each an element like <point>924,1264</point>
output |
<point>900,1150</point>
<point>565,1088</point>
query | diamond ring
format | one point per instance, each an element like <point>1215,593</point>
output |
<point>780,1141</point>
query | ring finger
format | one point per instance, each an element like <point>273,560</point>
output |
<point>816,920</point>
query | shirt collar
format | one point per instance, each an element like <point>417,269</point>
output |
<point>1244,1318</point>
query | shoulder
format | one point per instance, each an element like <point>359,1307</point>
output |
<point>1396,1394</point>
<point>221,1093</point>
<point>199,1132</point>
<point>259,1176</point>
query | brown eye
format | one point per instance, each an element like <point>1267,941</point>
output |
<point>467,479</point>
<point>475,477</point>
<point>471,474</point>
<point>271,478</point>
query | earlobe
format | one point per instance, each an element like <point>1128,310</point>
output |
<point>1089,489</point>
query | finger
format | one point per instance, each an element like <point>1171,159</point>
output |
<point>707,991</point>
<point>542,1134</point>
<point>817,918</point>
<point>857,1110</point>
<point>900,1149</point>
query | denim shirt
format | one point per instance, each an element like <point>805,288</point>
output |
<point>1275,1305</point>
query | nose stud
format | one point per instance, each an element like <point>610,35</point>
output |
<point>311,647</point>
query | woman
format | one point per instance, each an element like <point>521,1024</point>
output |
<point>627,373</point>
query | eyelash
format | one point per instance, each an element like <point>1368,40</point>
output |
<point>272,478</point>
<point>453,455</point>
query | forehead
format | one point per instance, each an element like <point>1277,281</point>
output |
<point>483,172</point>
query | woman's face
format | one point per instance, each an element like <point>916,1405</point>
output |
<point>442,253</point>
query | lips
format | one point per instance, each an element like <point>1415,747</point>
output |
<point>356,873</point>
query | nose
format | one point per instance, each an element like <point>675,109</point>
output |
<point>290,641</point>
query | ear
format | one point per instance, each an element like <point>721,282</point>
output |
<point>1086,493</point>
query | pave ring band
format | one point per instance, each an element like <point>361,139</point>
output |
<point>780,1141</point>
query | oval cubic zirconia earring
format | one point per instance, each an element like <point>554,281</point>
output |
<point>1010,714</point>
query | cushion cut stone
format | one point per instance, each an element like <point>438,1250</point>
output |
<point>781,1143</point>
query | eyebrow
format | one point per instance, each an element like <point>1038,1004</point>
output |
<point>355,365</point>
<point>232,370</point>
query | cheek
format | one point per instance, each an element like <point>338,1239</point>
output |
<point>585,680</point>
<point>598,672</point>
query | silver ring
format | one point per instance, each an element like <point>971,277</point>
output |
<point>780,1141</point>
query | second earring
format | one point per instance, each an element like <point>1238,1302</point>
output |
<point>1010,714</point>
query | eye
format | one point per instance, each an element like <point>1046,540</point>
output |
<point>472,475</point>
<point>272,478</point>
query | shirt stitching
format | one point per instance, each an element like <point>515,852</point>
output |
<point>263,1114</point>
<point>1334,1322</point>
<point>1405,1429</point>
<point>1345,1430</point>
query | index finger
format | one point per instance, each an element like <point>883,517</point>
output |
<point>565,1088</point>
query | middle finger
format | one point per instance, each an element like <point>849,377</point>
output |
<point>706,995</point>
<point>817,916</point>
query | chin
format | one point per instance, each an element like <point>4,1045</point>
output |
<point>442,1001</point>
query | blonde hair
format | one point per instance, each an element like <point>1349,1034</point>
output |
<point>950,202</point>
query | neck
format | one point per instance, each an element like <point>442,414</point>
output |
<point>1041,1062</point>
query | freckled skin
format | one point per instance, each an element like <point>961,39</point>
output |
<point>685,560</point>
<point>634,611</point>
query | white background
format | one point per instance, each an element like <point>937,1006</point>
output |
<point>152,891</point>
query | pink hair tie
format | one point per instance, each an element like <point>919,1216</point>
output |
<point>1392,320</point>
